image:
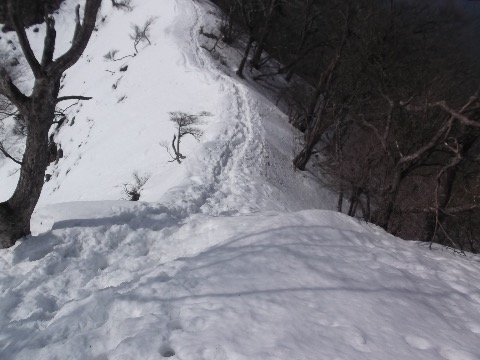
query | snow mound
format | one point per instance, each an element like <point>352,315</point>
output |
<point>306,285</point>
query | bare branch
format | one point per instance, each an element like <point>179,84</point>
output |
<point>49,42</point>
<point>80,40</point>
<point>141,34</point>
<point>111,56</point>
<point>7,155</point>
<point>10,91</point>
<point>427,147</point>
<point>16,19</point>
<point>73,97</point>
<point>458,115</point>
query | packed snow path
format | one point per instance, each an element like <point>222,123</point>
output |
<point>220,264</point>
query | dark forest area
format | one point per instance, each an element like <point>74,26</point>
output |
<point>386,94</point>
<point>33,11</point>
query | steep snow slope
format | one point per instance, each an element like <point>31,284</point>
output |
<point>119,130</point>
<point>217,264</point>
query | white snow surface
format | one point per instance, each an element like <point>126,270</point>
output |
<point>228,255</point>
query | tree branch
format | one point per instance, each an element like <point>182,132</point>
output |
<point>16,19</point>
<point>457,115</point>
<point>49,43</point>
<point>7,155</point>
<point>10,91</point>
<point>433,141</point>
<point>81,37</point>
<point>73,97</point>
<point>454,210</point>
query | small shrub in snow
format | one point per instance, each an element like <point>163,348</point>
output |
<point>110,56</point>
<point>132,190</point>
<point>186,124</point>
<point>122,5</point>
<point>141,33</point>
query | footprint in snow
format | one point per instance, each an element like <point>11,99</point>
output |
<point>455,354</point>
<point>417,342</point>
<point>474,328</point>
<point>356,339</point>
<point>166,350</point>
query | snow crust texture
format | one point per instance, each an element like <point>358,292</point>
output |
<point>226,258</point>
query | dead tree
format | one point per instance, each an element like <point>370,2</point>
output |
<point>38,110</point>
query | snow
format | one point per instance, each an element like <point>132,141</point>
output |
<point>228,255</point>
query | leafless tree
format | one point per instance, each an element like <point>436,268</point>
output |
<point>268,11</point>
<point>141,33</point>
<point>315,119</point>
<point>38,110</point>
<point>230,32</point>
<point>186,124</point>
<point>251,15</point>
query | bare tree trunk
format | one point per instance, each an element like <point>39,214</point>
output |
<point>307,25</point>
<point>388,199</point>
<point>257,55</point>
<point>340,201</point>
<point>38,110</point>
<point>245,57</point>
<point>303,157</point>
<point>316,123</point>
<point>19,208</point>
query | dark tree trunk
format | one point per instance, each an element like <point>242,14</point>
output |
<point>352,210</point>
<point>38,110</point>
<point>340,201</point>
<point>446,190</point>
<point>257,55</point>
<point>316,123</point>
<point>303,157</point>
<point>388,200</point>
<point>245,57</point>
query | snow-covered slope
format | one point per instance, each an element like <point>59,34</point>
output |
<point>222,258</point>
<point>120,130</point>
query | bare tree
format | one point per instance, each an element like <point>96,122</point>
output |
<point>227,28</point>
<point>186,124</point>
<point>315,118</point>
<point>251,14</point>
<point>38,110</point>
<point>141,33</point>
<point>268,13</point>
